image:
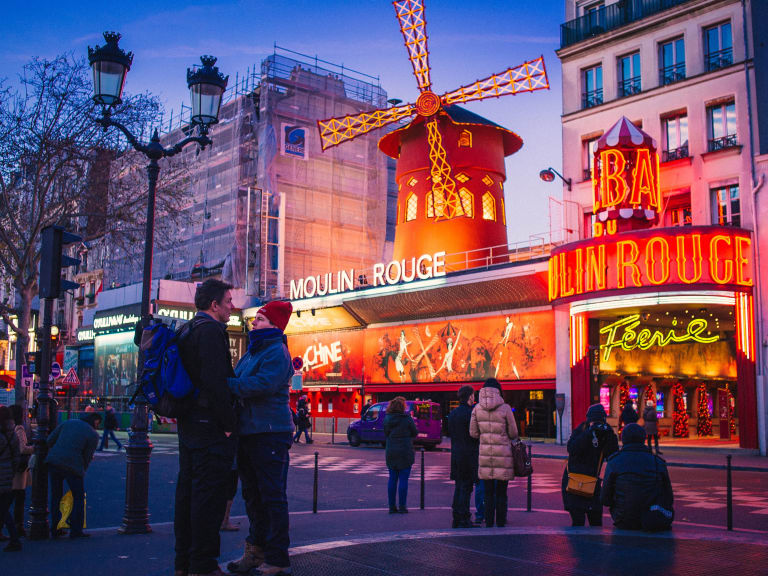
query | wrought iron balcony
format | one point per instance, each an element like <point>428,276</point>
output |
<point>591,99</point>
<point>611,17</point>
<point>672,74</point>
<point>629,87</point>
<point>676,154</point>
<point>719,59</point>
<point>729,141</point>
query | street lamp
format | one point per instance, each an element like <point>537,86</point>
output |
<point>549,174</point>
<point>206,86</point>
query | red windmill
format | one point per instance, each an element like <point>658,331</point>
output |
<point>443,145</point>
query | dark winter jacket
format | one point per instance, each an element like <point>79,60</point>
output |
<point>635,479</point>
<point>71,446</point>
<point>628,415</point>
<point>204,352</point>
<point>262,384</point>
<point>464,448</point>
<point>651,420</point>
<point>110,420</point>
<point>583,458</point>
<point>400,431</point>
<point>10,456</point>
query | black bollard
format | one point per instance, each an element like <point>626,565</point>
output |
<point>729,493</point>
<point>421,502</point>
<point>333,430</point>
<point>314,488</point>
<point>530,481</point>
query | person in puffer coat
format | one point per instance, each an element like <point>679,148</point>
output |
<point>493,422</point>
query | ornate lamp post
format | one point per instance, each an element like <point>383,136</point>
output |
<point>206,85</point>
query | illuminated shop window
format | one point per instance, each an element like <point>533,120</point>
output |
<point>487,180</point>
<point>465,140</point>
<point>489,207</point>
<point>412,182</point>
<point>467,198</point>
<point>411,208</point>
<point>461,177</point>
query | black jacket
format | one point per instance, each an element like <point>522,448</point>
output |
<point>110,420</point>
<point>635,479</point>
<point>204,351</point>
<point>628,415</point>
<point>464,448</point>
<point>583,458</point>
<point>400,431</point>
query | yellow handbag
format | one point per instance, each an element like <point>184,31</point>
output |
<point>583,485</point>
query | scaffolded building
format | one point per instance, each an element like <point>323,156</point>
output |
<point>264,204</point>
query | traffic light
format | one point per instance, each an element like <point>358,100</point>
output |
<point>54,239</point>
<point>32,360</point>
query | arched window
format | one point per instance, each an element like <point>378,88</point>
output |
<point>465,139</point>
<point>435,208</point>
<point>411,207</point>
<point>503,213</point>
<point>489,207</point>
<point>467,200</point>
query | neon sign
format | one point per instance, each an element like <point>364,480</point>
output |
<point>647,259</point>
<point>622,334</point>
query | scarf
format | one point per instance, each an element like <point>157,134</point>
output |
<point>256,337</point>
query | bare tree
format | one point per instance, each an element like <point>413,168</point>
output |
<point>49,149</point>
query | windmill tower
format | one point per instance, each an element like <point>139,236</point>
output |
<point>450,162</point>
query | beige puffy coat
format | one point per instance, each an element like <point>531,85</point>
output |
<point>494,424</point>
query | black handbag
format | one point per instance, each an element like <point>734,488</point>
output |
<point>521,459</point>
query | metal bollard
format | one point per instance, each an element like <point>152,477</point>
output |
<point>530,481</point>
<point>729,493</point>
<point>333,430</point>
<point>314,488</point>
<point>421,502</point>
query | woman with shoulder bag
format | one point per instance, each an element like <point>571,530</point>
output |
<point>590,443</point>
<point>22,478</point>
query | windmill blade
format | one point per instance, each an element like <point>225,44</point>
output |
<point>334,131</point>
<point>410,14</point>
<point>446,203</point>
<point>528,77</point>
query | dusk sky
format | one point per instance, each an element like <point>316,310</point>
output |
<point>467,41</point>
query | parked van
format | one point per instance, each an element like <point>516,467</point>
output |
<point>370,428</point>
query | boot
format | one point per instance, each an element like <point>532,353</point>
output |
<point>253,557</point>
<point>268,570</point>
<point>226,525</point>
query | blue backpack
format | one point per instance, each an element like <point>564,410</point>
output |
<point>164,380</point>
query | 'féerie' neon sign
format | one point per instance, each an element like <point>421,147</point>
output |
<point>646,338</point>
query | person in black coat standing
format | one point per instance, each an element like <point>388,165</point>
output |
<point>628,415</point>
<point>636,480</point>
<point>590,443</point>
<point>464,457</point>
<point>400,430</point>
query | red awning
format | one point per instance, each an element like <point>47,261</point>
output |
<point>7,381</point>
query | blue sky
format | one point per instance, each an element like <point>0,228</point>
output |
<point>467,41</point>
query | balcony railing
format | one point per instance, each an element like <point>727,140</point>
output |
<point>611,17</point>
<point>719,59</point>
<point>728,141</point>
<point>672,74</point>
<point>591,99</point>
<point>676,154</point>
<point>629,86</point>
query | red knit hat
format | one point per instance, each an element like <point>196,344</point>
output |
<point>277,312</point>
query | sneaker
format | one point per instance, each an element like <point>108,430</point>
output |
<point>13,546</point>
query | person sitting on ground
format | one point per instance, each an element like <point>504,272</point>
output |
<point>636,483</point>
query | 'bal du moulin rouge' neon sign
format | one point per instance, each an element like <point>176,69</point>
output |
<point>629,339</point>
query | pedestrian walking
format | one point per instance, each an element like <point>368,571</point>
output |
<point>493,423</point>
<point>265,435</point>
<point>464,455</point>
<point>206,448</point>
<point>22,478</point>
<point>304,421</point>
<point>651,422</point>
<point>628,415</point>
<point>590,443</point>
<point>110,425</point>
<point>70,451</point>
<point>399,430</point>
<point>637,487</point>
<point>10,458</point>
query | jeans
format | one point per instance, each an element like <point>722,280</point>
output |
<point>201,501</point>
<point>299,430</point>
<point>495,502</point>
<point>6,498</point>
<point>480,500</point>
<point>462,492</point>
<point>19,496</point>
<point>262,461</point>
<point>398,477</point>
<point>77,486</point>
<point>111,434</point>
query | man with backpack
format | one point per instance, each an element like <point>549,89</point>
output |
<point>206,451</point>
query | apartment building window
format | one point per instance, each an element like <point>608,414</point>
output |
<point>629,74</point>
<point>589,148</point>
<point>592,84</point>
<point>718,46</point>
<point>721,126</point>
<point>671,61</point>
<point>678,212</point>
<point>675,134</point>
<point>726,209</point>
